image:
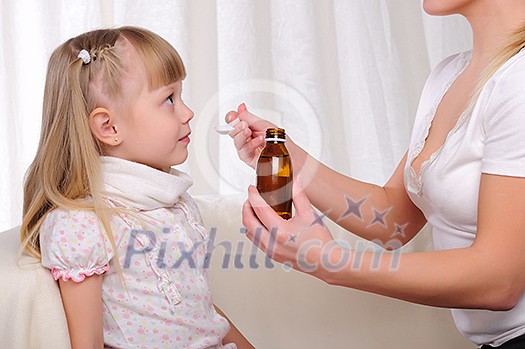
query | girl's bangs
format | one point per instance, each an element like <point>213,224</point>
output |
<point>162,63</point>
<point>164,69</point>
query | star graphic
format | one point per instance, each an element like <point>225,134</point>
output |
<point>379,217</point>
<point>353,208</point>
<point>399,230</point>
<point>318,218</point>
<point>292,238</point>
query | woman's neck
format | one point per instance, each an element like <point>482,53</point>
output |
<point>492,22</point>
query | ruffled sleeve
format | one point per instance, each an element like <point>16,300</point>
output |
<point>73,245</point>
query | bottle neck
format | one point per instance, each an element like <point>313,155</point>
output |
<point>274,139</point>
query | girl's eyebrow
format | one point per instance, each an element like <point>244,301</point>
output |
<point>169,88</point>
<point>177,86</point>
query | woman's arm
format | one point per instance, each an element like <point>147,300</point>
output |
<point>234,336</point>
<point>352,204</point>
<point>370,211</point>
<point>83,307</point>
<point>487,275</point>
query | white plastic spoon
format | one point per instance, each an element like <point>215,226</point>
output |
<point>226,129</point>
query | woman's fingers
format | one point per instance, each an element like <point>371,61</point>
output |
<point>248,148</point>
<point>241,135</point>
<point>248,133</point>
<point>245,115</point>
<point>262,210</point>
<point>241,108</point>
<point>267,238</point>
<point>255,123</point>
<point>303,207</point>
<point>230,116</point>
<point>255,230</point>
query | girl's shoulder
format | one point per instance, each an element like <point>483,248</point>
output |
<point>61,215</point>
<point>68,222</point>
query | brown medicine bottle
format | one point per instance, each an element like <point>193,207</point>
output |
<point>274,173</point>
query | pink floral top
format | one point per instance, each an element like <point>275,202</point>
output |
<point>165,300</point>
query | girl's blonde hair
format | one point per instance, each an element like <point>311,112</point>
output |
<point>67,163</point>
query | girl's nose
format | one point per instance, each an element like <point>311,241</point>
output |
<point>187,115</point>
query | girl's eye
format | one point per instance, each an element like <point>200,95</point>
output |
<point>169,100</point>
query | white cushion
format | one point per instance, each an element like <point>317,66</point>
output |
<point>30,303</point>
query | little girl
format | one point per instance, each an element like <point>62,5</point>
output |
<point>104,210</point>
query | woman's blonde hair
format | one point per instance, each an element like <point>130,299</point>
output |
<point>67,163</point>
<point>514,44</point>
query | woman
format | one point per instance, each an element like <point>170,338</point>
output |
<point>464,173</point>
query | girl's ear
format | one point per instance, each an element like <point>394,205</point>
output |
<point>103,127</point>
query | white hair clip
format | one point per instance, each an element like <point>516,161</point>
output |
<point>84,56</point>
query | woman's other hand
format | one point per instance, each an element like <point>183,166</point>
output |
<point>302,242</point>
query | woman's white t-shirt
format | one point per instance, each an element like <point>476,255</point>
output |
<point>490,139</point>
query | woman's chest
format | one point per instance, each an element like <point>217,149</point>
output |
<point>448,186</point>
<point>444,117</point>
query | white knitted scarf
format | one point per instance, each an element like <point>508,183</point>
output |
<point>142,187</point>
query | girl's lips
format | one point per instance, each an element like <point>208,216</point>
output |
<point>185,139</point>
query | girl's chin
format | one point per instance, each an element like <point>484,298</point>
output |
<point>180,159</point>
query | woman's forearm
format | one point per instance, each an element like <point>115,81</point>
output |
<point>486,275</point>
<point>367,210</point>
<point>457,278</point>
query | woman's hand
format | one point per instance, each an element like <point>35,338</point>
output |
<point>301,242</point>
<point>248,134</point>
